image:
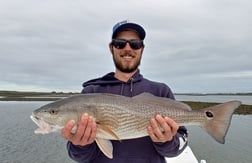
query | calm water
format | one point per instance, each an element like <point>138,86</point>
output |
<point>19,144</point>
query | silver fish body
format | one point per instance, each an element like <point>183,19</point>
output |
<point>119,117</point>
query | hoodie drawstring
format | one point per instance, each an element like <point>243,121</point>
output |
<point>131,84</point>
<point>122,87</point>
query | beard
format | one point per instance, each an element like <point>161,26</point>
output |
<point>126,68</point>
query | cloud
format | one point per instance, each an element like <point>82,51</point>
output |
<point>194,46</point>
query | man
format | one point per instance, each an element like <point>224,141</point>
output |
<point>126,48</point>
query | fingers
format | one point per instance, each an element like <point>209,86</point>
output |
<point>85,133</point>
<point>82,125</point>
<point>173,125</point>
<point>86,130</point>
<point>154,131</point>
<point>66,131</point>
<point>162,129</point>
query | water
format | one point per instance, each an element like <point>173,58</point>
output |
<point>20,144</point>
<point>237,148</point>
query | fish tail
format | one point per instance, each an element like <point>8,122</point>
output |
<point>218,119</point>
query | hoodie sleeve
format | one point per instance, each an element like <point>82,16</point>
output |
<point>175,146</point>
<point>84,154</point>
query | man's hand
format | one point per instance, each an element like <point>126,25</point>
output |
<point>168,129</point>
<point>85,133</point>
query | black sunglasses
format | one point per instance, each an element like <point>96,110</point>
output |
<point>121,43</point>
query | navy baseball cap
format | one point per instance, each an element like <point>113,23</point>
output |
<point>126,24</point>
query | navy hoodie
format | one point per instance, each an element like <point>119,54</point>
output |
<point>140,150</point>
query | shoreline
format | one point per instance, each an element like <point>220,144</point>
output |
<point>53,96</point>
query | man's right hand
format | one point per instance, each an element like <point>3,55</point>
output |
<point>85,133</point>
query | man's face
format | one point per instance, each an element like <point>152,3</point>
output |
<point>127,59</point>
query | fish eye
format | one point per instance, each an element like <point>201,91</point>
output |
<point>52,111</point>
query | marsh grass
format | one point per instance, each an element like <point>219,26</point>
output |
<point>243,109</point>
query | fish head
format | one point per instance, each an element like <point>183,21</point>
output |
<point>51,119</point>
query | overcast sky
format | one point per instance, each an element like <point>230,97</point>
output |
<point>199,46</point>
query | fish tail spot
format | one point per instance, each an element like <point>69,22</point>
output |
<point>209,114</point>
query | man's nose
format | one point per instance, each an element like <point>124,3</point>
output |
<point>127,46</point>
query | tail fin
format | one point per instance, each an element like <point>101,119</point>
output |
<point>218,119</point>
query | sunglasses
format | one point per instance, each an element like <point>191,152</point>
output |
<point>121,43</point>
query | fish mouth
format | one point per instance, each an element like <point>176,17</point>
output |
<point>44,127</point>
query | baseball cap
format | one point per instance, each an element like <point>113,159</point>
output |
<point>126,24</point>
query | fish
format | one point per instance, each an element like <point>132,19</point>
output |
<point>119,117</point>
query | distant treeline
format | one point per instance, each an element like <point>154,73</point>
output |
<point>243,109</point>
<point>52,96</point>
<point>33,96</point>
<point>53,93</point>
<point>204,94</point>
<point>23,94</point>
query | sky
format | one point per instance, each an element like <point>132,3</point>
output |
<point>196,46</point>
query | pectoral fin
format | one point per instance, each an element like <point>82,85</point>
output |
<point>105,146</point>
<point>103,129</point>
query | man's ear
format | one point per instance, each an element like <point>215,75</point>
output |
<point>142,50</point>
<point>111,48</point>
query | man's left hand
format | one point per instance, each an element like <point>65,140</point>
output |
<point>162,129</point>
